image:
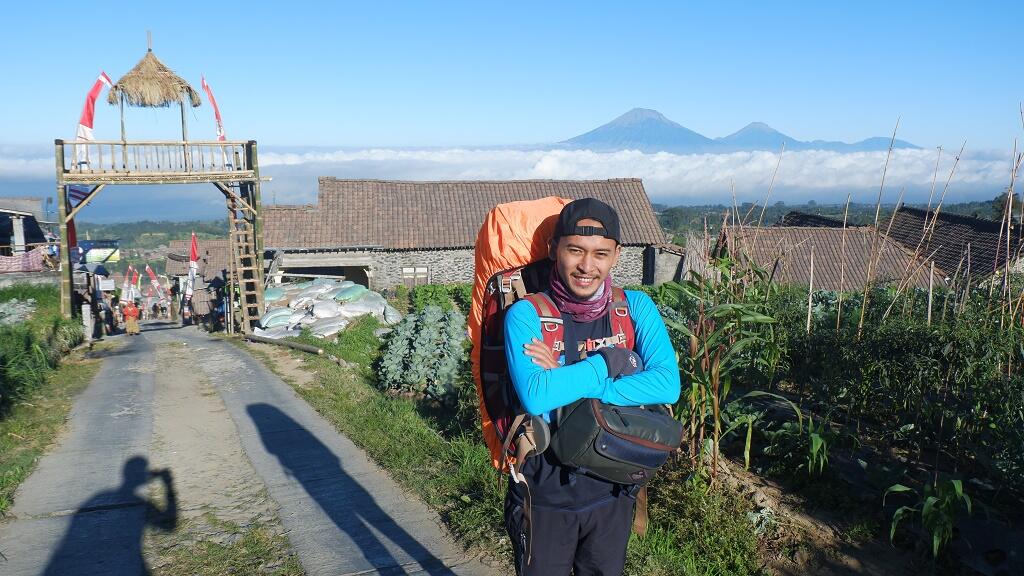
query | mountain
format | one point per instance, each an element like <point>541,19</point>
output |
<point>650,131</point>
<point>644,130</point>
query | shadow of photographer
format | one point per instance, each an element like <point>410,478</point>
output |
<point>105,535</point>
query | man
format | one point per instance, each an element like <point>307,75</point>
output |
<point>131,318</point>
<point>579,523</point>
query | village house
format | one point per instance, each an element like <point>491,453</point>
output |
<point>213,269</point>
<point>841,261</point>
<point>19,225</point>
<point>384,233</point>
<point>959,242</point>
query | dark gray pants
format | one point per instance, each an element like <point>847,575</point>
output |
<point>589,542</point>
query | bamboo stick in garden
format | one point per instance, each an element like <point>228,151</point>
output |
<point>842,264</point>
<point>810,292</point>
<point>875,238</point>
<point>953,287</point>
<point>931,291</point>
<point>929,224</point>
<point>935,176</point>
<point>967,276</point>
<point>767,197</point>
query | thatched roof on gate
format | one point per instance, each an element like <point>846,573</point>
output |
<point>152,84</point>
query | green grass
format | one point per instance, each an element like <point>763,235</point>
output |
<point>252,550</point>
<point>33,423</point>
<point>30,350</point>
<point>694,530</point>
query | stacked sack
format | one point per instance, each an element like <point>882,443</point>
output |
<point>323,306</point>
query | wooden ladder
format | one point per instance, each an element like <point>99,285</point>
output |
<point>246,263</point>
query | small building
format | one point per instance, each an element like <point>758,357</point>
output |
<point>214,262</point>
<point>20,229</point>
<point>957,241</point>
<point>841,258</point>
<point>383,233</point>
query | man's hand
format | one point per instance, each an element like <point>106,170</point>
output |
<point>541,354</point>
<point>621,362</point>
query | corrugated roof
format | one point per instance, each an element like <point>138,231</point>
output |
<point>792,247</point>
<point>214,258</point>
<point>401,215</point>
<point>951,236</point>
<point>31,205</point>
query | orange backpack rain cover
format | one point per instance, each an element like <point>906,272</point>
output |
<point>512,236</point>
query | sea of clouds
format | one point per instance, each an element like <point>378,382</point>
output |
<point>670,178</point>
<point>825,177</point>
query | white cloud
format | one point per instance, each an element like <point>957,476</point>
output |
<point>667,177</point>
<point>673,178</point>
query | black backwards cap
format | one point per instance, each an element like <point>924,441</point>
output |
<point>588,208</point>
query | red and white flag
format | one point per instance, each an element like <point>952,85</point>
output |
<point>84,133</point>
<point>154,283</point>
<point>216,110</point>
<point>193,258</point>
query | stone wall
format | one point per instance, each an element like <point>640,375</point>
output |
<point>11,278</point>
<point>450,266</point>
<point>443,266</point>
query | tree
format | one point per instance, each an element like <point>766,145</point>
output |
<point>999,204</point>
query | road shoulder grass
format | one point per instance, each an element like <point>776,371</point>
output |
<point>33,423</point>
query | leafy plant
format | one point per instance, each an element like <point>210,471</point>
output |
<point>425,354</point>
<point>938,508</point>
<point>427,295</point>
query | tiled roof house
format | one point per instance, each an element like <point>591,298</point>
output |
<point>384,232</point>
<point>838,263</point>
<point>955,237</point>
<point>19,224</point>
<point>214,262</point>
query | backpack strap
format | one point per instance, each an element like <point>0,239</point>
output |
<point>621,319</point>
<point>551,326</point>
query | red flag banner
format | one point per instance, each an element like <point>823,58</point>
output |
<point>84,132</point>
<point>154,284</point>
<point>216,110</point>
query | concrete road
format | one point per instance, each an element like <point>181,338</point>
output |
<point>84,509</point>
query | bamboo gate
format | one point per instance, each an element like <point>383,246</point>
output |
<point>232,167</point>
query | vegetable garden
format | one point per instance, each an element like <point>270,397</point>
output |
<point>909,424</point>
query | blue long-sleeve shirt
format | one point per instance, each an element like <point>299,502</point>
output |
<point>541,390</point>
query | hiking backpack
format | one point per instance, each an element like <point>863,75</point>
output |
<point>512,264</point>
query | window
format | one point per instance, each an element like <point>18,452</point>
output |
<point>415,276</point>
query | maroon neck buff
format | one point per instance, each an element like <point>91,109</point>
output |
<point>580,310</point>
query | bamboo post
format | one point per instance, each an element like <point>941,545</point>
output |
<point>184,135</point>
<point>124,146</point>
<point>810,291</point>
<point>875,238</point>
<point>842,264</point>
<point>931,289</point>
<point>65,250</point>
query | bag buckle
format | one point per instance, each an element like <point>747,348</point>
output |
<point>509,279</point>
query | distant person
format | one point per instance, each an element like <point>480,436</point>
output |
<point>131,318</point>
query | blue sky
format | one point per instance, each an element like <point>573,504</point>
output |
<point>484,73</point>
<point>467,75</point>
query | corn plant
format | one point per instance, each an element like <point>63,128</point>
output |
<point>721,339</point>
<point>938,508</point>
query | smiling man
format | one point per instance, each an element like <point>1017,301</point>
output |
<point>574,522</point>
